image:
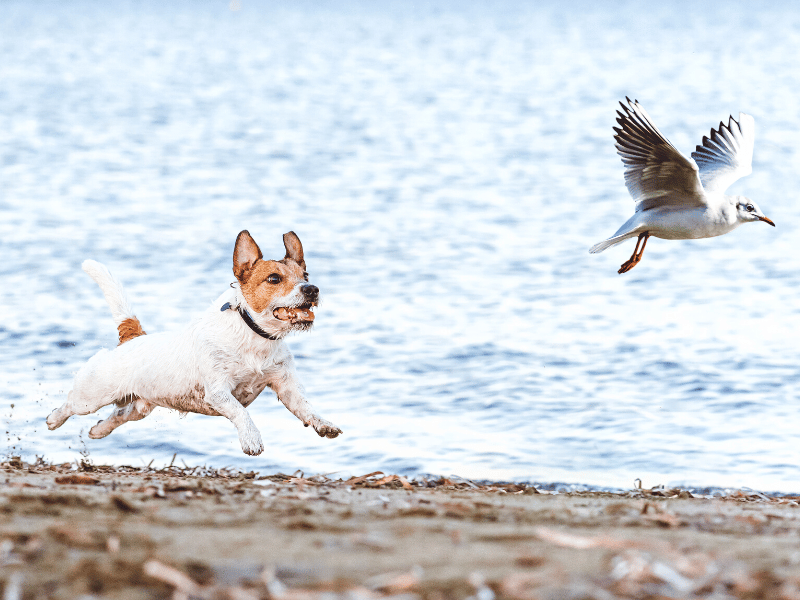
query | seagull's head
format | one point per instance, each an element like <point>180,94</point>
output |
<point>747,210</point>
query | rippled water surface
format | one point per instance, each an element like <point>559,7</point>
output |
<point>447,167</point>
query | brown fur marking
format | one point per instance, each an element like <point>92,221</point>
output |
<point>252,271</point>
<point>129,329</point>
<point>294,248</point>
<point>245,254</point>
<point>260,294</point>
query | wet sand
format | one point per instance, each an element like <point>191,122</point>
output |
<point>123,532</point>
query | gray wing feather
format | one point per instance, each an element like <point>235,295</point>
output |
<point>656,173</point>
<point>727,154</point>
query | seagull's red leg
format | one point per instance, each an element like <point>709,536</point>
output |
<point>637,254</point>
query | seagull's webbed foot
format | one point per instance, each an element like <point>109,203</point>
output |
<point>637,253</point>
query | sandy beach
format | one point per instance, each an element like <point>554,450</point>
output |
<point>122,532</point>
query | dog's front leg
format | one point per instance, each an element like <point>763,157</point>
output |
<point>229,407</point>
<point>289,392</point>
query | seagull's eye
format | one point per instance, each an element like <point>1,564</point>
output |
<point>750,208</point>
<point>274,278</point>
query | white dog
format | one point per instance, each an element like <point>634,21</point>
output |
<point>218,364</point>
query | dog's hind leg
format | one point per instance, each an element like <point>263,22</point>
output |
<point>75,405</point>
<point>135,411</point>
<point>94,387</point>
<point>60,415</point>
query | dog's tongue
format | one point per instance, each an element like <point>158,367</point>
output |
<point>293,315</point>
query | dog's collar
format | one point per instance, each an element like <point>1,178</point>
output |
<point>248,320</point>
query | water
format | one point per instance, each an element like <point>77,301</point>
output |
<point>447,167</point>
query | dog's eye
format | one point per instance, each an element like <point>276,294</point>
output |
<point>305,275</point>
<point>274,278</point>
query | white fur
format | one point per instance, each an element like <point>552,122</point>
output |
<point>216,366</point>
<point>112,290</point>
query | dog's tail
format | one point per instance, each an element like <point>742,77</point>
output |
<point>122,313</point>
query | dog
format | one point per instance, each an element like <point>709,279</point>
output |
<point>218,364</point>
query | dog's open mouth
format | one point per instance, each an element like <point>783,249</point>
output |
<point>298,314</point>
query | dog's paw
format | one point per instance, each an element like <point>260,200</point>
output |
<point>251,443</point>
<point>324,428</point>
<point>55,420</point>
<point>99,431</point>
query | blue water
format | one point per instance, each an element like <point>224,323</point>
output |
<point>447,166</point>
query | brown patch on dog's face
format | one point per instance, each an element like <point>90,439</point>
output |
<point>269,281</point>
<point>129,329</point>
<point>266,283</point>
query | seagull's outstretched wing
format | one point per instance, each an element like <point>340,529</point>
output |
<point>728,154</point>
<point>655,172</point>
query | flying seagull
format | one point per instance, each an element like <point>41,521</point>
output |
<point>680,198</point>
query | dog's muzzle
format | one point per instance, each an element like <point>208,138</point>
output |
<point>302,313</point>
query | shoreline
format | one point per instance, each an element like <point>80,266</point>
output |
<point>547,486</point>
<point>175,532</point>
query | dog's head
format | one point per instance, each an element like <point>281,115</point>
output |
<point>277,291</point>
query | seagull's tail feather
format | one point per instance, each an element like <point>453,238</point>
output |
<point>612,241</point>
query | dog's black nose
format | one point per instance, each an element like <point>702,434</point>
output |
<point>309,290</point>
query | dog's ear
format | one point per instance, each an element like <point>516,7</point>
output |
<point>245,254</point>
<point>294,249</point>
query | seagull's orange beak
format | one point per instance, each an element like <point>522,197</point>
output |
<point>766,220</point>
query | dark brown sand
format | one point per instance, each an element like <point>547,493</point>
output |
<point>121,532</point>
